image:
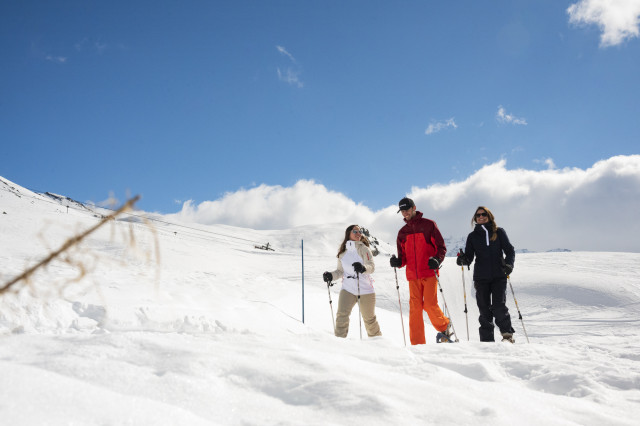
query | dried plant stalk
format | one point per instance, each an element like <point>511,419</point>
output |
<point>71,242</point>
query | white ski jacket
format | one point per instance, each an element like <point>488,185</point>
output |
<point>356,251</point>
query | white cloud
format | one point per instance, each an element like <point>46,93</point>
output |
<point>277,207</point>
<point>503,117</point>
<point>617,19</point>
<point>87,44</point>
<point>290,76</point>
<point>591,209</point>
<point>547,161</point>
<point>579,209</point>
<point>56,59</point>
<point>440,125</point>
<point>284,52</point>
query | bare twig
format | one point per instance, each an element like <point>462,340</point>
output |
<point>71,242</point>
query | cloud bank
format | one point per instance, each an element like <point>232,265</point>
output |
<point>618,19</point>
<point>593,209</point>
<point>277,207</point>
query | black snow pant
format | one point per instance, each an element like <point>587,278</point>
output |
<point>491,297</point>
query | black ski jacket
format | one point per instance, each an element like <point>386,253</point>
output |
<point>489,254</point>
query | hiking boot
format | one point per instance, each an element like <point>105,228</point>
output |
<point>508,337</point>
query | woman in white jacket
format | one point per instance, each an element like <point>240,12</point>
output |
<point>355,266</point>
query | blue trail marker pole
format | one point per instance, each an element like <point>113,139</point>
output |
<point>302,249</point>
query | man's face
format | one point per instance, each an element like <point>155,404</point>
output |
<point>409,213</point>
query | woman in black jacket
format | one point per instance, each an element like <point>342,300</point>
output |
<point>494,256</point>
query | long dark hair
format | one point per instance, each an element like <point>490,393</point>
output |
<point>347,233</point>
<point>492,222</point>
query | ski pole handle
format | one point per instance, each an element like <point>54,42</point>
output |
<point>461,253</point>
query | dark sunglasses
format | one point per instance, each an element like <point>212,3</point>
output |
<point>482,214</point>
<point>355,231</point>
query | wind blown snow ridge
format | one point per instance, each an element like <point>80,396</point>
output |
<point>218,338</point>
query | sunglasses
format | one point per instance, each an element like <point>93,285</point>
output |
<point>355,231</point>
<point>482,214</point>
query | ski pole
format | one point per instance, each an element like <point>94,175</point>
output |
<point>359,311</point>
<point>519,314</point>
<point>444,302</point>
<point>329,284</point>
<point>444,305</point>
<point>464,290</point>
<point>400,303</point>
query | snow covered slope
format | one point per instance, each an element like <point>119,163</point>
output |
<point>182,324</point>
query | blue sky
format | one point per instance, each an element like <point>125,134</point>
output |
<point>192,100</point>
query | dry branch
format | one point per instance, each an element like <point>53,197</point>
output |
<point>71,242</point>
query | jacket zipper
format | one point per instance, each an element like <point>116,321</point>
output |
<point>415,253</point>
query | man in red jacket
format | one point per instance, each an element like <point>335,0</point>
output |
<point>421,249</point>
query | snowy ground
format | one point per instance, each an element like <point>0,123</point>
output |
<point>211,333</point>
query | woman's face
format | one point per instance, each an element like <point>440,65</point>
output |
<point>355,234</point>
<point>482,217</point>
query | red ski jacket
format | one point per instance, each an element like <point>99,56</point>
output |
<point>417,241</point>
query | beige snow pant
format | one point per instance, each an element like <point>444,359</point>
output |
<point>346,302</point>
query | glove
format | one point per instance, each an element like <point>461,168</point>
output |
<point>327,277</point>
<point>433,263</point>
<point>462,260</point>
<point>395,262</point>
<point>507,269</point>
<point>359,267</point>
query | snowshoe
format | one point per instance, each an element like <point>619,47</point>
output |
<point>508,337</point>
<point>445,336</point>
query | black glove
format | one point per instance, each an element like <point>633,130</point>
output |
<point>359,267</point>
<point>327,277</point>
<point>462,259</point>
<point>395,262</point>
<point>507,269</point>
<point>433,263</point>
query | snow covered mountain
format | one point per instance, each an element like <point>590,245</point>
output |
<point>164,323</point>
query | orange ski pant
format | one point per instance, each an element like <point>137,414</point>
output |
<point>424,296</point>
